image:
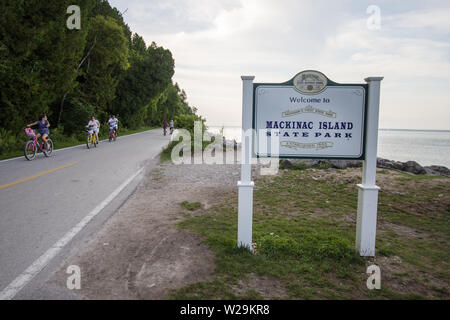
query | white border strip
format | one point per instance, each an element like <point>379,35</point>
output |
<point>22,280</point>
<point>78,145</point>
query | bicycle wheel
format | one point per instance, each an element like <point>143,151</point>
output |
<point>29,151</point>
<point>95,141</point>
<point>49,151</point>
<point>88,140</point>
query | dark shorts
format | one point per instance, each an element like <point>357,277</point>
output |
<point>43,131</point>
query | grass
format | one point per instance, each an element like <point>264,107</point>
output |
<point>61,141</point>
<point>304,235</point>
<point>191,206</point>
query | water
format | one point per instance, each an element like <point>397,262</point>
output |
<point>425,147</point>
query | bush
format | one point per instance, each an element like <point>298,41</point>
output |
<point>76,115</point>
<point>186,121</point>
<point>10,142</point>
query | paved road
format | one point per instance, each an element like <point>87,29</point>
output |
<point>43,199</point>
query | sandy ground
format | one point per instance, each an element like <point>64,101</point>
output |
<point>140,253</point>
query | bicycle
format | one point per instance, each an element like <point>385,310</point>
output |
<point>112,134</point>
<point>32,146</point>
<point>91,138</point>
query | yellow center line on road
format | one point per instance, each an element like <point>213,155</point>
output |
<point>37,175</point>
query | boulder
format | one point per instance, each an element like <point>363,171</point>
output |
<point>286,164</point>
<point>307,162</point>
<point>342,164</point>
<point>437,171</point>
<point>389,164</point>
<point>413,167</point>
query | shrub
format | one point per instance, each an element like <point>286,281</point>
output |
<point>10,142</point>
<point>76,115</point>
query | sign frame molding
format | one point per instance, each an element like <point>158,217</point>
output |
<point>330,83</point>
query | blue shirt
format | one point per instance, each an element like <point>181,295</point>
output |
<point>42,127</point>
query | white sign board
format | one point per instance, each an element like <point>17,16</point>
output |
<point>328,124</point>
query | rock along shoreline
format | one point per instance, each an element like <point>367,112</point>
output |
<point>408,166</point>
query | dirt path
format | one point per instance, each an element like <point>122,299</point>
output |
<point>140,253</point>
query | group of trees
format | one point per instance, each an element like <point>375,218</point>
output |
<point>101,68</point>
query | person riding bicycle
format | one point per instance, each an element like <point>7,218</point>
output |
<point>94,126</point>
<point>113,121</point>
<point>43,131</point>
<point>171,126</point>
<point>165,124</point>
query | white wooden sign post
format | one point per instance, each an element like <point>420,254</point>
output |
<point>366,220</point>
<point>312,117</point>
<point>245,186</point>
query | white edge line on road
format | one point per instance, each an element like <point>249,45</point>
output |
<point>78,145</point>
<point>22,280</point>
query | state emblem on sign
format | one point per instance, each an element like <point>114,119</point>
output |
<point>310,82</point>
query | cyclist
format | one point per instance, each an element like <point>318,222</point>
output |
<point>94,126</point>
<point>113,124</point>
<point>43,131</point>
<point>171,126</point>
<point>165,124</point>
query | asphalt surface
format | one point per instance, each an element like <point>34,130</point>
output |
<point>43,199</point>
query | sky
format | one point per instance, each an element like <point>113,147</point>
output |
<point>214,42</point>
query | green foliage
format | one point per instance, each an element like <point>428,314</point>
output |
<point>102,68</point>
<point>109,55</point>
<point>9,142</point>
<point>77,115</point>
<point>187,121</point>
<point>149,76</point>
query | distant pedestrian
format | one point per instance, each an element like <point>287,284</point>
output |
<point>165,125</point>
<point>171,126</point>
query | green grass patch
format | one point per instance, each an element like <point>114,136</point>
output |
<point>191,206</point>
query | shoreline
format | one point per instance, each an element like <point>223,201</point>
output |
<point>410,166</point>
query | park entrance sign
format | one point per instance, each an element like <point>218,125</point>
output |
<point>309,117</point>
<point>312,116</point>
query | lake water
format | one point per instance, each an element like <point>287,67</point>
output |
<point>425,147</point>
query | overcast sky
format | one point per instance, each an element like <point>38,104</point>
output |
<point>214,42</point>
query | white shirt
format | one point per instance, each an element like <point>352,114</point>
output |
<point>112,122</point>
<point>94,124</point>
